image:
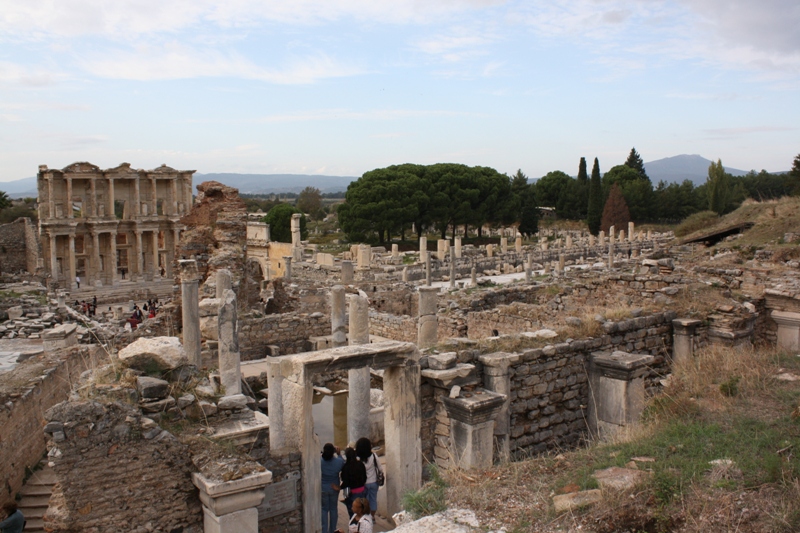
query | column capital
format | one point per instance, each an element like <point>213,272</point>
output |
<point>685,326</point>
<point>786,318</point>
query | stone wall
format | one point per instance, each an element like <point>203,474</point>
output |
<point>19,247</point>
<point>289,331</point>
<point>117,474</point>
<point>46,381</point>
<point>285,465</point>
<point>549,390</point>
<point>398,328</point>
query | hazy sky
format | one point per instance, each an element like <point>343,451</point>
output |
<point>345,86</point>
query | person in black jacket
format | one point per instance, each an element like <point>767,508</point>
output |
<point>14,521</point>
<point>354,477</point>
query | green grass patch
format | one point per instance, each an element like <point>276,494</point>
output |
<point>428,500</point>
<point>696,222</point>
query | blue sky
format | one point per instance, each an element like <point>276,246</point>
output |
<point>345,86</point>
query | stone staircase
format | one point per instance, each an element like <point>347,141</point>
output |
<point>124,291</point>
<point>36,497</point>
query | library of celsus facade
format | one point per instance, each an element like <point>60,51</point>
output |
<point>105,226</point>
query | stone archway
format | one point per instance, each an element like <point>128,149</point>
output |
<point>291,423</point>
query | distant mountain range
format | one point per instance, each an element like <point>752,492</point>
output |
<point>683,167</point>
<point>670,169</point>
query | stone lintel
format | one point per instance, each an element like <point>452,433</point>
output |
<point>461,374</point>
<point>685,326</point>
<point>497,363</point>
<point>477,408</point>
<point>224,497</point>
<point>786,318</point>
<point>621,365</point>
<point>377,355</point>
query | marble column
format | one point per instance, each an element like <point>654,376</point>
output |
<point>497,378</point>
<point>153,198</point>
<point>93,199</point>
<point>395,253</point>
<point>51,205</point>
<point>458,247</point>
<point>69,198</point>
<point>224,280</point>
<point>190,308</point>
<point>622,235</point>
<point>137,196</point>
<point>591,240</point>
<point>139,255</point>
<point>683,332</point>
<point>452,268</point>
<point>423,249</point>
<point>441,247</point>
<point>528,266</point>
<point>788,330</point>
<point>338,317</point>
<point>358,395</point>
<point>601,238</point>
<point>489,250</point>
<point>173,201</point>
<point>112,245</point>
<point>504,244</point>
<point>428,278</point>
<point>295,227</point>
<point>561,263</point>
<point>287,274</point>
<point>97,278</point>
<point>428,322</point>
<point>518,244</point>
<point>111,213</point>
<point>228,344</point>
<point>53,258</point>
<point>612,234</point>
<point>569,241</point>
<point>347,272</point>
<point>72,272</point>
<point>156,270</point>
<point>630,231</point>
<point>611,256</point>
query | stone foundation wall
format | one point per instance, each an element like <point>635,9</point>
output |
<point>398,328</point>
<point>19,247</point>
<point>22,412</point>
<point>289,331</point>
<point>284,464</point>
<point>115,475</point>
<point>549,386</point>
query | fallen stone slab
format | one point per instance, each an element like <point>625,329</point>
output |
<point>152,388</point>
<point>154,354</point>
<point>574,500</point>
<point>617,478</point>
<point>450,521</point>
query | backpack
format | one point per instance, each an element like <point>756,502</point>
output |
<point>378,471</point>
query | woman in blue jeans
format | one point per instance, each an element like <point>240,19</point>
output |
<point>331,465</point>
<point>370,460</point>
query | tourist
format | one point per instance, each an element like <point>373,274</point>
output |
<point>14,521</point>
<point>354,477</point>
<point>372,466</point>
<point>78,281</point>
<point>361,521</point>
<point>137,313</point>
<point>331,466</point>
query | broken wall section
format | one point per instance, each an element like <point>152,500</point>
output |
<point>19,247</point>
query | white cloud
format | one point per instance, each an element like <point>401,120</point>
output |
<point>26,76</point>
<point>376,114</point>
<point>178,61</point>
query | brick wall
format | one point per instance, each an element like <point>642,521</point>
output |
<point>22,443</point>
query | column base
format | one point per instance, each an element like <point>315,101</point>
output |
<point>244,521</point>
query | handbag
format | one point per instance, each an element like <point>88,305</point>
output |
<point>378,471</point>
<point>346,492</point>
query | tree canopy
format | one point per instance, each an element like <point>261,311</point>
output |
<point>615,212</point>
<point>310,201</point>
<point>635,162</point>
<point>279,219</point>
<point>594,213</point>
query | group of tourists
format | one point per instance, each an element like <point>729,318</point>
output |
<point>87,308</point>
<point>357,476</point>
<point>137,317</point>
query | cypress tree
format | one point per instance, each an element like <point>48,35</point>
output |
<point>615,212</point>
<point>594,214</point>
<point>583,189</point>
<point>635,162</point>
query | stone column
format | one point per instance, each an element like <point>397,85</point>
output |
<point>364,256</point>
<point>296,236</point>
<point>423,249</point>
<point>428,269</point>
<point>54,259</point>
<point>622,235</point>
<point>528,268</point>
<point>153,197</point>
<point>428,322</point>
<point>504,244</point>
<point>173,201</point>
<point>404,276</point>
<point>640,236</point>
<point>452,268</point>
<point>569,241</point>
<point>137,205</point>
<point>112,245</point>
<point>518,244</point>
<point>473,277</point>
<point>93,199</point>
<point>69,198</point>
<point>358,405</point>
<point>72,273</point>
<point>612,234</point>
<point>788,330</point>
<point>402,421</point>
<point>156,271</point>
<point>224,281</point>
<point>560,263</point>
<point>111,213</point>
<point>441,249</point>
<point>190,308</point>
<point>472,423</point>
<point>287,275</point>
<point>97,278</point>
<point>176,239</point>
<point>610,256</point>
<point>683,330</point>
<point>458,247</point>
<point>347,272</point>
<point>228,334</point>
<point>231,506</point>
<point>497,378</point>
<point>544,245</point>
<point>395,253</point>
<point>51,205</point>
<point>489,250</point>
<point>630,231</point>
<point>139,254</point>
<point>649,235</point>
<point>338,317</point>
<point>616,390</point>
<point>601,238</point>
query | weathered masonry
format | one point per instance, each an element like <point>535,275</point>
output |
<point>104,226</point>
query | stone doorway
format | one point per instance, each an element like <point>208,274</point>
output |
<point>291,423</point>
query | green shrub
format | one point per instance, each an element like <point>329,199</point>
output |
<point>428,500</point>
